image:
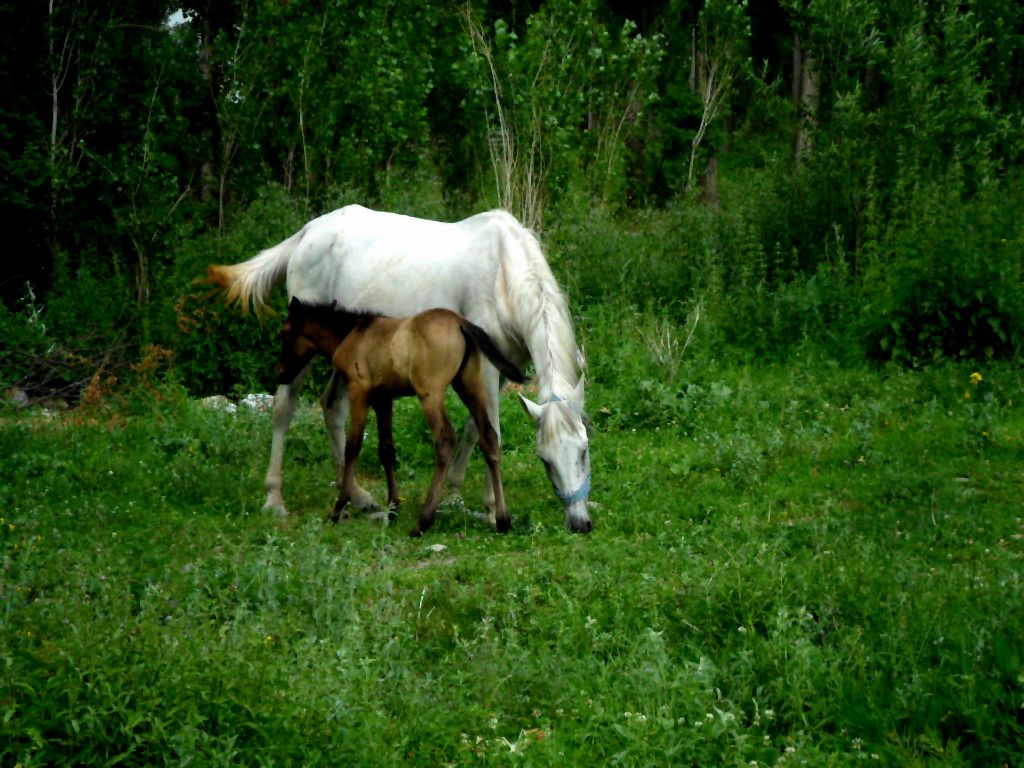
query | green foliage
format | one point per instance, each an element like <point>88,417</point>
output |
<point>150,152</point>
<point>562,100</point>
<point>218,349</point>
<point>948,281</point>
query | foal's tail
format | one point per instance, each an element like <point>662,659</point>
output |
<point>477,339</point>
<point>252,281</point>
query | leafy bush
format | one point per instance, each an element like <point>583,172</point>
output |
<point>218,349</point>
<point>948,281</point>
<point>81,333</point>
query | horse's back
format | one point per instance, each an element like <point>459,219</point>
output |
<point>400,265</point>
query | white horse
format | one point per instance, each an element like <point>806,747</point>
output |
<point>488,268</point>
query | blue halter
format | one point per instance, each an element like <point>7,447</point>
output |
<point>584,490</point>
<point>579,495</point>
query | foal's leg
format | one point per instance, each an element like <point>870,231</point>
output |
<point>334,404</point>
<point>353,444</point>
<point>285,400</point>
<point>386,451</point>
<point>444,442</point>
<point>471,434</point>
<point>472,395</point>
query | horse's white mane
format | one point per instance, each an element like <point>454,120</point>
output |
<point>538,304</point>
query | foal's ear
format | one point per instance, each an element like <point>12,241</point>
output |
<point>532,409</point>
<point>294,304</point>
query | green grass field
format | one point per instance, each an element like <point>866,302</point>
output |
<point>797,564</point>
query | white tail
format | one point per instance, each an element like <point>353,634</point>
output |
<point>252,281</point>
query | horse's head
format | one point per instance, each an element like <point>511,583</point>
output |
<point>298,346</point>
<point>564,447</point>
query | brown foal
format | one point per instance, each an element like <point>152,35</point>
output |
<point>383,358</point>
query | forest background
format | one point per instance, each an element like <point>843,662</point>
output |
<point>776,174</point>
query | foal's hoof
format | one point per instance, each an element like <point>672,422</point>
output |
<point>415,533</point>
<point>340,513</point>
<point>503,524</point>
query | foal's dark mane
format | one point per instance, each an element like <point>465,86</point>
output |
<point>334,318</point>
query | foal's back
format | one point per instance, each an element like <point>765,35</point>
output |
<point>404,356</point>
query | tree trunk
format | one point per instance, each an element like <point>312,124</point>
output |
<point>805,98</point>
<point>208,172</point>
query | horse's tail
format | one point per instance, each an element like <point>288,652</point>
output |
<point>252,281</point>
<point>477,338</point>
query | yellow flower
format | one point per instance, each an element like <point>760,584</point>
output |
<point>975,378</point>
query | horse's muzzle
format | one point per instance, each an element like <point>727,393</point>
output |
<point>576,518</point>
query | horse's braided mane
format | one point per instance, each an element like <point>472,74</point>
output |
<point>539,300</point>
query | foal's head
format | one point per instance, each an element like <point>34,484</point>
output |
<point>307,332</point>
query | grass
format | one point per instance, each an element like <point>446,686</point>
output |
<point>796,564</point>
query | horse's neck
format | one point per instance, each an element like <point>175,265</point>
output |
<point>552,348</point>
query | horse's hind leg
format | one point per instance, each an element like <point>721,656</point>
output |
<point>285,400</point>
<point>334,404</point>
<point>444,443</point>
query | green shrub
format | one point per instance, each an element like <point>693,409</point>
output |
<point>218,349</point>
<point>948,279</point>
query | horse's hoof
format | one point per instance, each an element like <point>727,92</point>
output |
<point>415,533</point>
<point>340,513</point>
<point>364,500</point>
<point>503,525</point>
<point>276,507</point>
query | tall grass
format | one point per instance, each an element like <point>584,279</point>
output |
<point>791,564</point>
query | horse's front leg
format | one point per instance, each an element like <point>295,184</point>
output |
<point>444,443</point>
<point>334,404</point>
<point>353,445</point>
<point>464,452</point>
<point>285,400</point>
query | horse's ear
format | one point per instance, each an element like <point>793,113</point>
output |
<point>532,409</point>
<point>577,394</point>
<point>294,303</point>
